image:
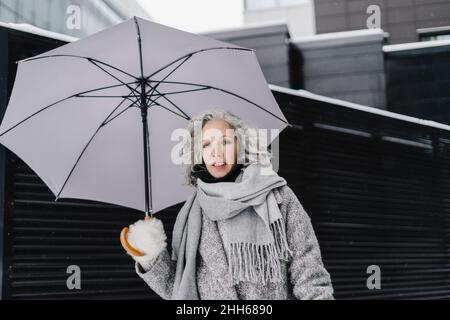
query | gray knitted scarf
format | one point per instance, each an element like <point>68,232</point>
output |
<point>254,237</point>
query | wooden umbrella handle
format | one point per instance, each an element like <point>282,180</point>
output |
<point>123,240</point>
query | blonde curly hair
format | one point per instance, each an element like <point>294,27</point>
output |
<point>247,137</point>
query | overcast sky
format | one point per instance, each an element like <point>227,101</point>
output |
<point>196,15</point>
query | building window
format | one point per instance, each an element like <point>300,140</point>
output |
<point>270,4</point>
<point>438,33</point>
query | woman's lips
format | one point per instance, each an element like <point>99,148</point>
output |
<point>219,166</point>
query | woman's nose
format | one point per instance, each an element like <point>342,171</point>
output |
<point>217,150</point>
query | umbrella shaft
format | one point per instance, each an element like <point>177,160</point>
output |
<point>146,149</point>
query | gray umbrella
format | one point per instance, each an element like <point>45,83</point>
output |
<point>86,115</point>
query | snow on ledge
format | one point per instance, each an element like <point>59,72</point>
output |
<point>339,35</point>
<point>247,26</point>
<point>415,45</point>
<point>355,106</point>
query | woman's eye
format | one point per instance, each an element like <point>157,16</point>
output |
<point>205,145</point>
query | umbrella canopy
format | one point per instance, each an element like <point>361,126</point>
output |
<point>94,118</point>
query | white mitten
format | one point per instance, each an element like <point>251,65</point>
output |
<point>148,237</point>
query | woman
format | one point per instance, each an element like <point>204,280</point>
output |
<point>243,234</point>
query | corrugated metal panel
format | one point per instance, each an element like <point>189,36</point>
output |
<point>378,192</point>
<point>45,237</point>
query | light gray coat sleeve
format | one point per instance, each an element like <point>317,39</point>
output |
<point>159,274</point>
<point>309,278</point>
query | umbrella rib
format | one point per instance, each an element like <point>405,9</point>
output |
<point>231,93</point>
<point>86,96</point>
<point>124,98</point>
<point>179,109</point>
<point>157,104</point>
<point>159,81</point>
<point>89,142</point>
<point>59,101</point>
<point>184,116</point>
<point>81,57</point>
<point>185,57</point>
<point>128,86</point>
<point>103,88</point>
<point>129,107</point>
<point>249,101</point>
<point>189,55</point>
<point>184,83</point>
<point>163,95</point>
<point>177,92</point>
<point>195,52</point>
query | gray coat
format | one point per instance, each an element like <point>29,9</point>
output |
<point>304,276</point>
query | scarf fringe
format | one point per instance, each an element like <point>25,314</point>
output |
<point>279,234</point>
<point>259,263</point>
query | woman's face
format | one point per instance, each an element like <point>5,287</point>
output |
<point>219,147</point>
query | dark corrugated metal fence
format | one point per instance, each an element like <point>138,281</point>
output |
<point>46,237</point>
<point>378,192</point>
